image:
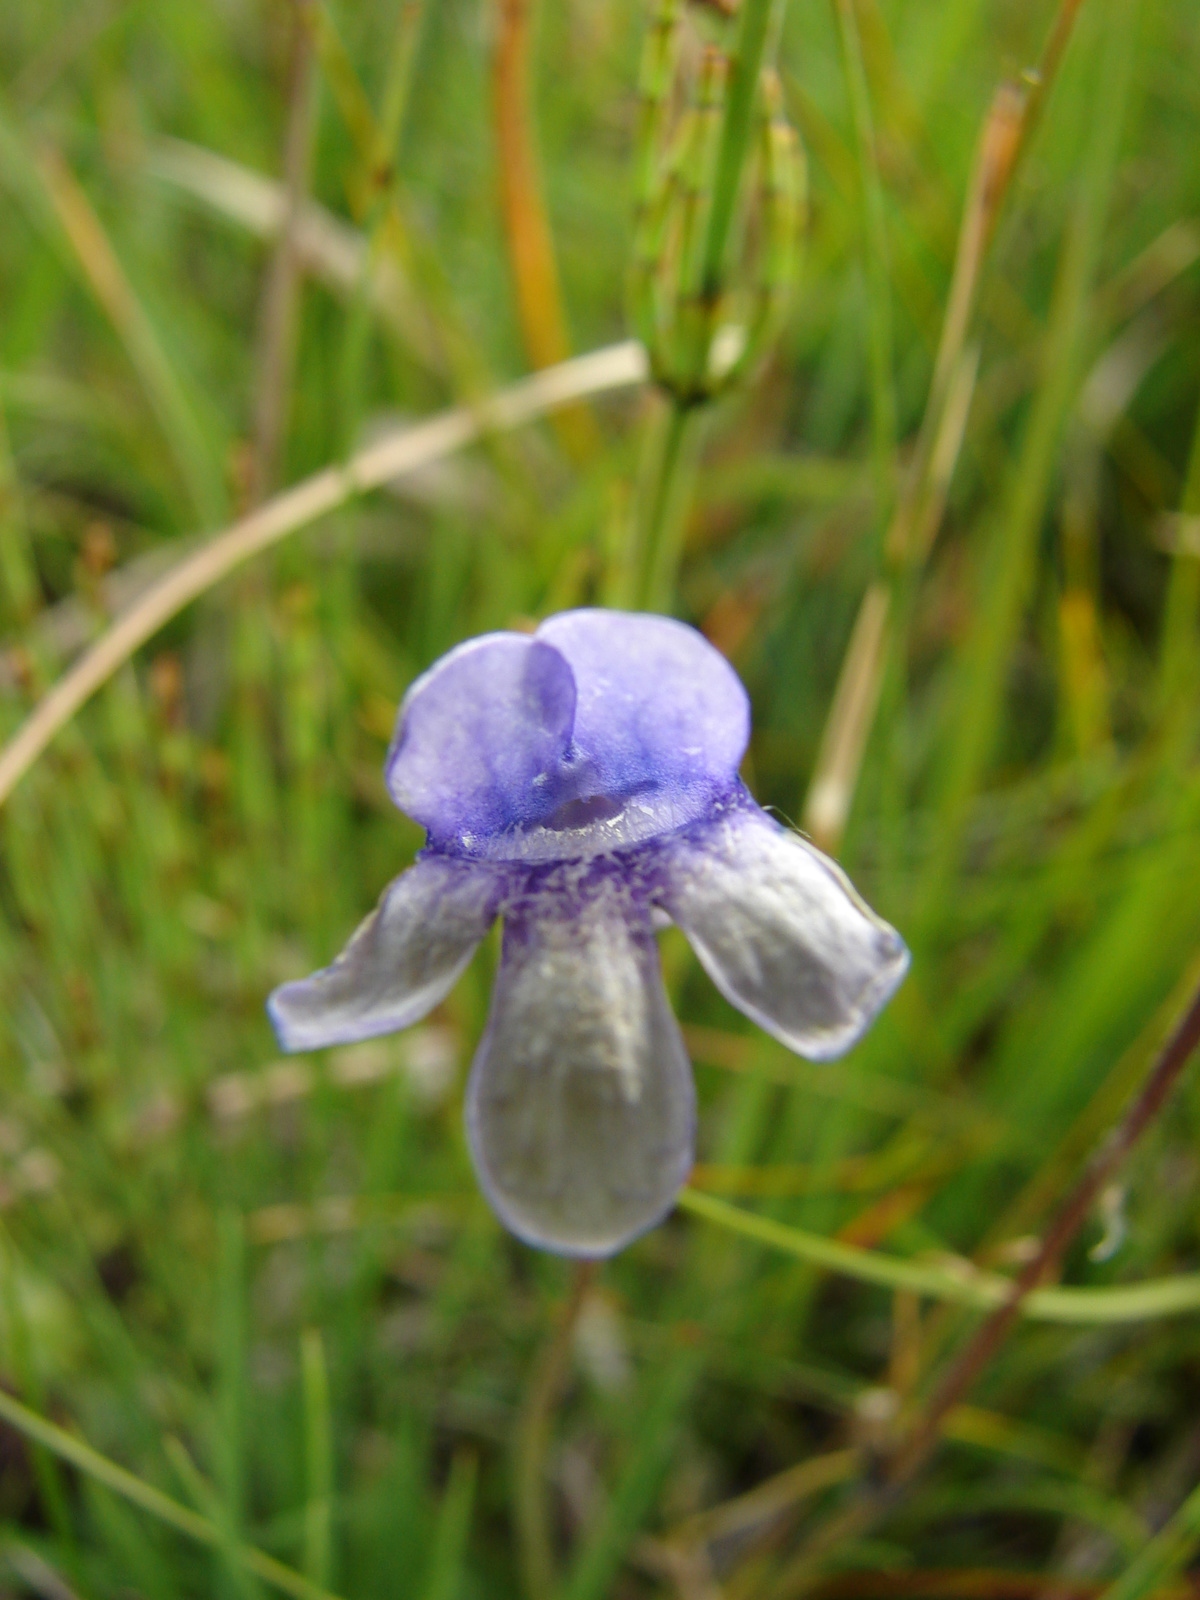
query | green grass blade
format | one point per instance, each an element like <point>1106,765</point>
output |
<point>318,1460</point>
<point>59,204</point>
<point>140,1493</point>
<point>1008,565</point>
<point>875,257</point>
<point>960,1284</point>
<point>452,1530</point>
<point>1164,1557</point>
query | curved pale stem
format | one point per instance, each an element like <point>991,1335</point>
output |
<point>616,366</point>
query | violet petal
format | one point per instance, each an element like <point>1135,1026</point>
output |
<point>656,705</point>
<point>480,736</point>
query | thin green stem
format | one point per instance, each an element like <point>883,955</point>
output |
<point>18,576</point>
<point>401,67</point>
<point>1177,667</point>
<point>1009,567</point>
<point>452,1530</point>
<point>139,1493</point>
<point>1164,1557</point>
<point>279,307</point>
<point>660,544</point>
<point>208,1502</point>
<point>875,259</point>
<point>533,1439</point>
<point>960,1284</point>
<point>59,206</point>
<point>231,1375</point>
<point>356,338</point>
<point>318,1459</point>
<point>25,1370</point>
<point>759,24</point>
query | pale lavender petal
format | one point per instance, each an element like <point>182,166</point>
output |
<point>580,1107</point>
<point>481,738</point>
<point>657,707</point>
<point>399,963</point>
<point>780,930</point>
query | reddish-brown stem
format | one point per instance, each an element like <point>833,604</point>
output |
<point>1070,1217</point>
<point>911,1454</point>
<point>970,1583</point>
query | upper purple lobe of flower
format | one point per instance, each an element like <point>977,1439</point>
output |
<point>598,731</point>
<point>581,784</point>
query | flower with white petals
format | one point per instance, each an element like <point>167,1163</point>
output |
<point>581,783</point>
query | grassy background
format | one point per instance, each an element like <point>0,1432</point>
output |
<point>274,1292</point>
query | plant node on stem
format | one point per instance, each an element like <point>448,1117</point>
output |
<point>704,330</point>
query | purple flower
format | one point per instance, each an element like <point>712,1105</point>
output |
<point>581,783</point>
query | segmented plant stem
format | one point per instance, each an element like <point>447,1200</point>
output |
<point>655,548</point>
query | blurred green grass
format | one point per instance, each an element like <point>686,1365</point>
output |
<point>275,1293</point>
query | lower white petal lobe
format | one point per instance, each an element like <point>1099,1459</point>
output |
<point>781,932</point>
<point>399,963</point>
<point>580,1108</point>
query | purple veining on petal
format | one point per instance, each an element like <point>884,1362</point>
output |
<point>582,784</point>
<point>602,730</point>
<point>580,1107</point>
<point>482,738</point>
<point>657,707</point>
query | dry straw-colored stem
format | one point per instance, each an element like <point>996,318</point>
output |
<point>851,714</point>
<point>914,523</point>
<point>328,249</point>
<point>404,450</point>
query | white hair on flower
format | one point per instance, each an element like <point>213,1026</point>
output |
<point>581,783</point>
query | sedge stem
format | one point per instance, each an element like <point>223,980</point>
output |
<point>737,130</point>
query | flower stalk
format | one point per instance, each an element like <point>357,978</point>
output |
<point>672,438</point>
<point>760,23</point>
<point>875,259</point>
<point>704,329</point>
